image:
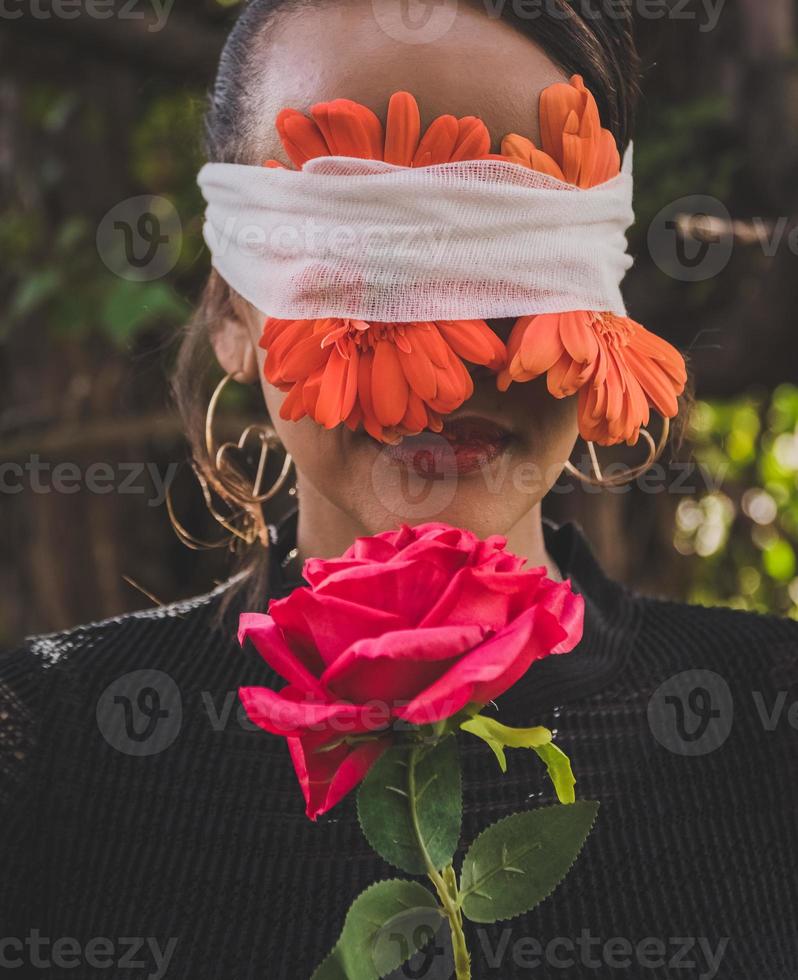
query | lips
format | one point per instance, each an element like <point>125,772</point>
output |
<point>463,446</point>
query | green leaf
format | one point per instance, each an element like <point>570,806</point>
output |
<point>131,307</point>
<point>499,737</point>
<point>34,291</point>
<point>331,968</point>
<point>411,792</point>
<point>519,861</point>
<point>385,926</point>
<point>560,772</point>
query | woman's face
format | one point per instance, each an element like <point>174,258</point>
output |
<point>500,453</point>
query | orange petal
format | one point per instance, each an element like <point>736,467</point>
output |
<point>578,337</point>
<point>473,139</point>
<point>293,408</point>
<point>282,345</point>
<point>364,377</point>
<point>272,328</point>
<point>415,419</point>
<point>572,134</point>
<point>540,345</point>
<point>474,341</point>
<point>354,419</point>
<point>438,143</point>
<point>428,338</point>
<point>650,345</point>
<point>338,390</point>
<point>655,383</point>
<point>350,129</point>
<point>518,149</point>
<point>560,377</point>
<point>607,163</point>
<point>310,392</point>
<point>389,386</point>
<point>402,129</point>
<point>419,372</point>
<point>303,358</point>
<point>455,385</point>
<point>301,138</point>
<point>557,102</point>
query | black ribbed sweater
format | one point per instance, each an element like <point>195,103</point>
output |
<point>201,849</point>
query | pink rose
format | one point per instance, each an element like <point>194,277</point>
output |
<point>410,625</point>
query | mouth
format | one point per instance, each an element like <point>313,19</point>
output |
<point>465,445</point>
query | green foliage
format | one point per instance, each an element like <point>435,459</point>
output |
<point>688,149</point>
<point>385,926</point>
<point>560,773</point>
<point>414,792</point>
<point>744,535</point>
<point>519,861</point>
<point>499,737</point>
<point>53,274</point>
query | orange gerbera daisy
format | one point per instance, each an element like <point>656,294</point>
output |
<point>576,148</point>
<point>346,128</point>
<point>619,369</point>
<point>393,378</point>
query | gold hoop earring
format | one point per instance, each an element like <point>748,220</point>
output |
<point>599,480</point>
<point>219,477</point>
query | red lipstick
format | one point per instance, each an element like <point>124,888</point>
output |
<point>465,445</point>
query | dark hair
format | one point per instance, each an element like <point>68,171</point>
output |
<point>598,45</point>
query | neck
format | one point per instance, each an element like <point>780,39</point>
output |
<point>326,531</point>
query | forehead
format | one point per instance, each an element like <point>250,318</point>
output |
<point>360,49</point>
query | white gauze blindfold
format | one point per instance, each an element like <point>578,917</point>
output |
<point>485,239</point>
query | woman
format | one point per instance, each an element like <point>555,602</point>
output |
<point>149,828</point>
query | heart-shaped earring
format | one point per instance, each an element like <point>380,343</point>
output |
<point>221,477</point>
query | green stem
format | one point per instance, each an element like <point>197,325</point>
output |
<point>447,890</point>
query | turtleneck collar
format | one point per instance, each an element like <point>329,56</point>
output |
<point>611,621</point>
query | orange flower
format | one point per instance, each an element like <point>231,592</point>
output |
<point>346,128</point>
<point>576,149</point>
<point>619,369</point>
<point>395,378</point>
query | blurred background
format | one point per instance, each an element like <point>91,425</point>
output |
<point>97,114</point>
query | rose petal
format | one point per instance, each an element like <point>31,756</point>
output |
<point>484,596</point>
<point>326,777</point>
<point>489,670</point>
<point>334,624</point>
<point>283,713</point>
<point>397,666</point>
<point>269,641</point>
<point>404,588</point>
